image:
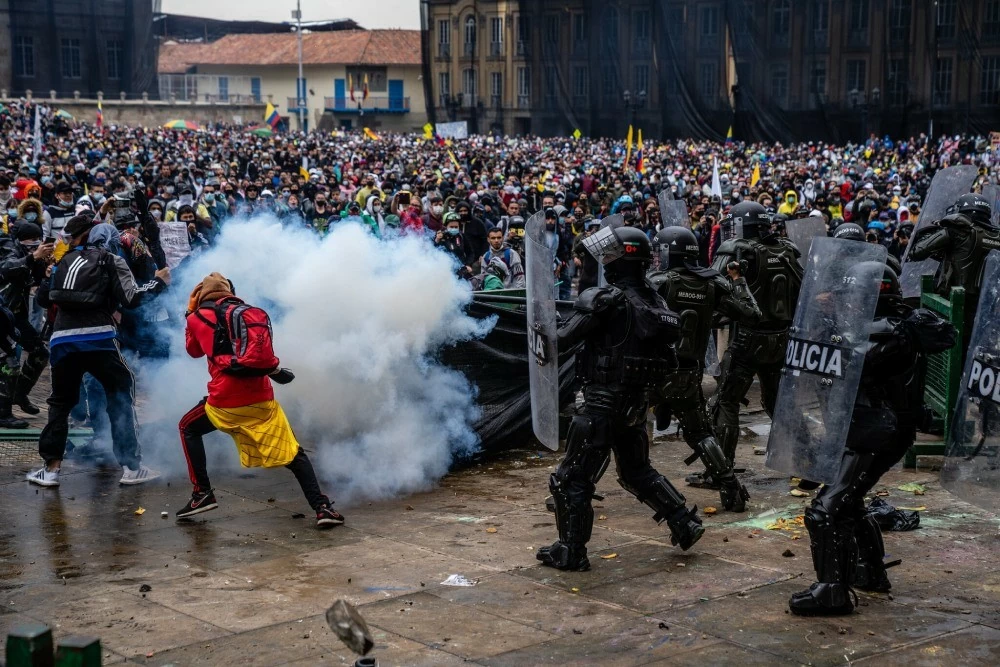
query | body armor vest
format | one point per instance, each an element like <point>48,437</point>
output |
<point>694,299</point>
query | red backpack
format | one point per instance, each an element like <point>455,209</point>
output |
<point>243,342</point>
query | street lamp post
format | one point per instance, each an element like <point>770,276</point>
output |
<point>633,103</point>
<point>300,89</point>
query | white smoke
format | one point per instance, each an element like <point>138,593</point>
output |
<point>358,320</point>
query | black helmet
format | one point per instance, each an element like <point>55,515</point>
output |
<point>677,245</point>
<point>850,232</point>
<point>975,207</point>
<point>890,284</point>
<point>636,243</point>
<point>751,217</point>
<point>624,251</point>
<point>893,263</point>
<point>863,210</point>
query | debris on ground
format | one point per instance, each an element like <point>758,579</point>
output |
<point>709,510</point>
<point>791,525</point>
<point>350,627</point>
<point>799,493</point>
<point>610,556</point>
<point>913,487</point>
<point>491,530</point>
<point>145,588</point>
<point>459,580</point>
<point>891,518</point>
<point>788,553</point>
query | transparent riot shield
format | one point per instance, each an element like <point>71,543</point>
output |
<point>802,232</point>
<point>992,194</point>
<point>673,212</point>
<point>543,358</point>
<point>616,220</point>
<point>946,186</point>
<point>824,358</point>
<point>972,460</point>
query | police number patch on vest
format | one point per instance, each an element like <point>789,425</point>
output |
<point>984,381</point>
<point>808,356</point>
<point>538,343</point>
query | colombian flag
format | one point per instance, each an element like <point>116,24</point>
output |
<point>640,165</point>
<point>271,116</point>
<point>371,135</point>
<point>756,175</point>
<point>439,140</point>
<point>729,135</point>
<point>628,147</point>
<point>100,116</point>
<point>364,89</point>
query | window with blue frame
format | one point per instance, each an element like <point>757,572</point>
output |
<point>255,88</point>
<point>223,88</point>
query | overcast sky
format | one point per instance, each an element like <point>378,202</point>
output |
<point>368,13</point>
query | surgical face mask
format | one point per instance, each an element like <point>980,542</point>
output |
<point>170,189</point>
<point>4,196</point>
<point>437,209</point>
<point>186,200</point>
<point>12,212</point>
<point>210,197</point>
<point>156,213</point>
<point>453,231</point>
<point>31,216</point>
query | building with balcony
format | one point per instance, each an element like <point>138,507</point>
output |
<point>264,67</point>
<point>773,69</point>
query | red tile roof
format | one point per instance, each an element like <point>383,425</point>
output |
<point>177,57</point>
<point>340,47</point>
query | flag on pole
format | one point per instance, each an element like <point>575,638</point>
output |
<point>640,165</point>
<point>100,117</point>
<point>304,168</point>
<point>371,135</point>
<point>716,183</point>
<point>729,135</point>
<point>756,175</point>
<point>428,131</point>
<point>541,182</point>
<point>271,116</point>
<point>37,148</point>
<point>350,85</point>
<point>454,160</point>
<point>628,146</point>
<point>577,134</point>
<point>364,88</point>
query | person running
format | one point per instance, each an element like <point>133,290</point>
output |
<point>240,398</point>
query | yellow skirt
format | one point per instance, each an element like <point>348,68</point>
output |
<point>261,432</point>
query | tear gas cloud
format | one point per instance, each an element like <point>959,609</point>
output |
<point>358,320</point>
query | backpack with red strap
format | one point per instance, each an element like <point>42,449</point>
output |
<point>243,341</point>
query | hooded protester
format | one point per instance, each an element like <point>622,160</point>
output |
<point>473,229</point>
<point>240,404</point>
<point>790,204</point>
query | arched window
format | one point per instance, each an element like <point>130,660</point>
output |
<point>470,35</point>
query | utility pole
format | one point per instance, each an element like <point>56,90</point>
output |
<point>300,92</point>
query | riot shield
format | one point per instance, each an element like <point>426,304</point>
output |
<point>673,212</point>
<point>824,358</point>
<point>802,232</point>
<point>543,358</point>
<point>946,186</point>
<point>992,194</point>
<point>616,220</point>
<point>972,460</point>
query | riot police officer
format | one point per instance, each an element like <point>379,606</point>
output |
<point>696,294</point>
<point>846,542</point>
<point>773,274</point>
<point>626,329</point>
<point>852,232</point>
<point>960,241</point>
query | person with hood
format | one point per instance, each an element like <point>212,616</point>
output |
<point>473,229</point>
<point>241,405</point>
<point>175,237</point>
<point>61,211</point>
<point>451,240</point>
<point>372,216</point>
<point>411,217</point>
<point>22,266</point>
<point>790,205</point>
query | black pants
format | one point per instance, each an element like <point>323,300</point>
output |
<point>108,368</point>
<point>18,381</point>
<point>196,424</point>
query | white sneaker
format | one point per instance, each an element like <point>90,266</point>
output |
<point>44,478</point>
<point>140,476</point>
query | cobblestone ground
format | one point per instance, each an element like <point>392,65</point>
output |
<point>249,582</point>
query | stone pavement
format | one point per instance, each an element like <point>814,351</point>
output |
<point>248,583</point>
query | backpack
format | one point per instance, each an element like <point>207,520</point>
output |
<point>81,280</point>
<point>243,341</point>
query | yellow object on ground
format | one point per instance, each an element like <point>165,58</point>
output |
<point>261,431</point>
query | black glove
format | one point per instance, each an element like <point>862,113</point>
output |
<point>282,376</point>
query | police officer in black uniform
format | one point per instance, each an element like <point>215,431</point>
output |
<point>626,329</point>
<point>853,232</point>
<point>846,542</point>
<point>771,267</point>
<point>960,241</point>
<point>696,294</point>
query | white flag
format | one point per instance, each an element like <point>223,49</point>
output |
<point>716,183</point>
<point>37,152</point>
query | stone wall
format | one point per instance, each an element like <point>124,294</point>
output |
<point>152,113</point>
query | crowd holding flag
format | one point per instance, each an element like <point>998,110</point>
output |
<point>271,116</point>
<point>755,176</point>
<point>628,146</point>
<point>640,164</point>
<point>370,134</point>
<point>729,135</point>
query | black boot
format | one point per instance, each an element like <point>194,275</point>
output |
<point>734,496</point>
<point>570,557</point>
<point>870,574</point>
<point>823,600</point>
<point>24,403</point>
<point>685,528</point>
<point>835,555</point>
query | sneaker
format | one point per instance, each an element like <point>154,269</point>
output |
<point>12,422</point>
<point>140,476</point>
<point>200,502</point>
<point>27,407</point>
<point>327,517</point>
<point>43,477</point>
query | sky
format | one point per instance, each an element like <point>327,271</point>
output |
<point>368,13</point>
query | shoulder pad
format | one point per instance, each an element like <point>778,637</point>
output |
<point>955,220</point>
<point>722,283</point>
<point>729,247</point>
<point>786,244</point>
<point>658,279</point>
<point>597,299</point>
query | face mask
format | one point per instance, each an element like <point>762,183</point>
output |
<point>46,180</point>
<point>210,197</point>
<point>31,216</point>
<point>98,199</point>
<point>156,213</point>
<point>12,212</point>
<point>186,200</point>
<point>170,189</point>
<point>550,226</point>
<point>199,181</point>
<point>437,210</point>
<point>453,231</point>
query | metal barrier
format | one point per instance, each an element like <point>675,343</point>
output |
<point>944,370</point>
<point>31,646</point>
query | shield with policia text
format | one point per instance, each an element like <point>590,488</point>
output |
<point>616,220</point>
<point>543,358</point>
<point>947,185</point>
<point>802,232</point>
<point>972,460</point>
<point>824,358</point>
<point>673,212</point>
